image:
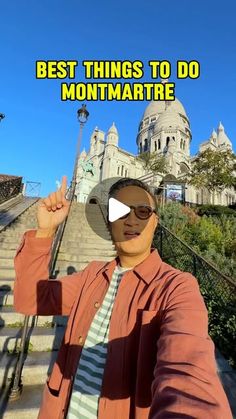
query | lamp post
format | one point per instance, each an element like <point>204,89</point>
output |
<point>16,387</point>
<point>83,115</point>
<point>2,116</point>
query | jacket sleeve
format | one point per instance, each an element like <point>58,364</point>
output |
<point>34,292</point>
<point>186,383</point>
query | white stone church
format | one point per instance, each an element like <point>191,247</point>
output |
<point>164,129</point>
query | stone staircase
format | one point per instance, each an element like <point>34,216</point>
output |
<point>79,246</point>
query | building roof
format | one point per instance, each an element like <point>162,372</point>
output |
<point>158,106</point>
<point>169,118</point>
<point>223,139</point>
<point>4,178</point>
<point>83,154</point>
<point>113,129</point>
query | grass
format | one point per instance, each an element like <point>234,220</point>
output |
<point>14,325</point>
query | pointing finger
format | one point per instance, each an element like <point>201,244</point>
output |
<point>63,185</point>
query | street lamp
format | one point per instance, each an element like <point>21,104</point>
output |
<point>82,115</point>
<point>2,116</point>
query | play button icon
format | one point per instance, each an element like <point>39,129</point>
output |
<point>102,209</point>
<point>116,209</point>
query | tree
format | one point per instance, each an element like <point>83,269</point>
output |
<point>153,162</point>
<point>213,170</point>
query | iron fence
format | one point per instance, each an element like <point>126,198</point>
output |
<point>218,290</point>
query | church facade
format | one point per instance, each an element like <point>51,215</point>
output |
<point>165,130</point>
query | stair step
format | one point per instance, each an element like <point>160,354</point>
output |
<point>37,366</point>
<point>13,242</point>
<point>76,255</point>
<point>27,407</point>
<point>90,240</point>
<point>7,272</point>
<point>71,246</point>
<point>9,245</point>
<point>41,338</point>
<point>9,317</point>
<point>63,265</point>
<point>69,269</point>
<point>7,263</point>
<point>8,253</point>
<point>12,236</point>
<point>85,235</point>
<point>17,229</point>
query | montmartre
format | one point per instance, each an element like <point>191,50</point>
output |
<point>117,91</point>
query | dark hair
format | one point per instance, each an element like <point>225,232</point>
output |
<point>122,183</point>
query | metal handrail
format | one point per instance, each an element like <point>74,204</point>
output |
<point>4,227</point>
<point>16,385</point>
<point>227,278</point>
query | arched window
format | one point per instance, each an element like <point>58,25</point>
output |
<point>183,168</point>
<point>181,143</point>
<point>155,145</point>
<point>118,170</point>
<point>184,145</point>
<point>122,170</point>
<point>167,141</point>
<point>140,148</point>
<point>126,172</point>
<point>159,144</point>
<point>145,144</point>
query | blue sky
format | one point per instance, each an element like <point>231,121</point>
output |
<point>39,134</point>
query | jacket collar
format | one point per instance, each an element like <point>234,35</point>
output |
<point>146,270</point>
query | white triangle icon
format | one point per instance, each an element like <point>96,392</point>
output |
<point>116,209</point>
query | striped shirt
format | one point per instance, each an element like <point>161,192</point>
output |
<point>88,379</point>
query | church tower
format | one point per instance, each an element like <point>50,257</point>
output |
<point>224,142</point>
<point>111,149</point>
<point>97,142</point>
<point>112,136</point>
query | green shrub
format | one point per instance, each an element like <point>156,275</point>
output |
<point>222,323</point>
<point>215,210</point>
<point>212,236</point>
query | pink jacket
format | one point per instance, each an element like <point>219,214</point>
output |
<point>160,361</point>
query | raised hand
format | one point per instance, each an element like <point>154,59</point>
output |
<point>53,209</point>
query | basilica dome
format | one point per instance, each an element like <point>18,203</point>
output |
<point>170,118</point>
<point>156,107</point>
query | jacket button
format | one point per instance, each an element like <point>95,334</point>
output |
<point>80,340</point>
<point>97,304</point>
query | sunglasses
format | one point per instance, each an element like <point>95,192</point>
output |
<point>143,212</point>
